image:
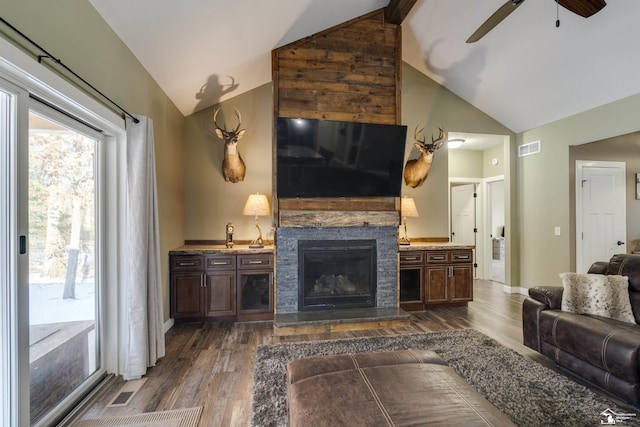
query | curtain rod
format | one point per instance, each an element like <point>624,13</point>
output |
<point>59,62</point>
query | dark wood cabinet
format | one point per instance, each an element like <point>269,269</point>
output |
<point>221,287</point>
<point>435,277</point>
<point>186,298</point>
<point>219,297</point>
<point>412,280</point>
<point>255,287</point>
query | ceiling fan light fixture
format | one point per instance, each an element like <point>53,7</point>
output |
<point>455,143</point>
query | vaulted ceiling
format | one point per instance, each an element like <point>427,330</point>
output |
<point>524,73</point>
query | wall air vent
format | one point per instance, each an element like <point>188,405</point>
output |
<point>529,148</point>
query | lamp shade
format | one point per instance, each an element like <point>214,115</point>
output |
<point>257,205</point>
<point>408,207</point>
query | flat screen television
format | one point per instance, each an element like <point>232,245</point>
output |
<point>324,158</point>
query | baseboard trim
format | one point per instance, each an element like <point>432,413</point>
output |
<point>168,325</point>
<point>516,290</point>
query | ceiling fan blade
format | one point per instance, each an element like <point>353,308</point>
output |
<point>497,17</point>
<point>584,8</point>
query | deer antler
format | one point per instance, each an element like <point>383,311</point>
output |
<point>215,115</point>
<point>440,137</point>
<point>416,134</point>
<point>239,116</point>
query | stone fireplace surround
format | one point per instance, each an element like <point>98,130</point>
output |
<point>287,260</point>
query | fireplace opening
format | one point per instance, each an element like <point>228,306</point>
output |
<point>334,274</point>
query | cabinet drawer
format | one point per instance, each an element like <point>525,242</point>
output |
<point>461,256</point>
<point>411,258</point>
<point>186,263</point>
<point>437,257</point>
<point>220,262</point>
<point>255,261</point>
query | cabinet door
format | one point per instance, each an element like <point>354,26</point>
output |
<point>186,288</point>
<point>437,284</point>
<point>462,283</point>
<point>255,295</point>
<point>220,294</point>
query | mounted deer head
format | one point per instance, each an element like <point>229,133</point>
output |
<point>233,167</point>
<point>416,170</point>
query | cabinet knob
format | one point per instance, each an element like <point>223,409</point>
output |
<point>184,264</point>
<point>255,262</point>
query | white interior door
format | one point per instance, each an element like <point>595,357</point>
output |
<point>463,214</point>
<point>496,209</point>
<point>600,212</point>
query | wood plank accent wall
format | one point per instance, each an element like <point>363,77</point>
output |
<point>350,72</point>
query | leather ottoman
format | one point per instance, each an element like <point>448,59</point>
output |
<point>408,387</point>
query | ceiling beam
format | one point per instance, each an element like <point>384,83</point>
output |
<point>397,10</point>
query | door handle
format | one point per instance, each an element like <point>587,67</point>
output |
<point>619,243</point>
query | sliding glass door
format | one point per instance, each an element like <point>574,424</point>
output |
<point>64,280</point>
<point>51,253</point>
<point>62,207</point>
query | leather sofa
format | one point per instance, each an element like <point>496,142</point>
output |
<point>405,387</point>
<point>602,351</point>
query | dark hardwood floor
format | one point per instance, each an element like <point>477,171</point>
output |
<point>211,364</point>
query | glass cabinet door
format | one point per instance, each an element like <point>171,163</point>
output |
<point>255,295</point>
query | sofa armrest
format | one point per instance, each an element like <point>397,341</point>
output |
<point>599,267</point>
<point>548,295</point>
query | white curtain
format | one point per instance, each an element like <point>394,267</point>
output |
<point>142,334</point>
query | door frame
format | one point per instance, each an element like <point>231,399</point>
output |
<point>480,247</point>
<point>580,165</point>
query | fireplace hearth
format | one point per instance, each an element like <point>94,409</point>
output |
<point>336,274</point>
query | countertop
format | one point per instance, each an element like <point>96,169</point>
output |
<point>421,246</point>
<point>269,249</point>
<point>220,249</point>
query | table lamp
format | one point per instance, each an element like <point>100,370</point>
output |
<point>257,205</point>
<point>407,208</point>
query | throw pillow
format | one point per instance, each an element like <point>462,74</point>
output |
<point>597,294</point>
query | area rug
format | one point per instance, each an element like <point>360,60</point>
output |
<point>188,417</point>
<point>527,392</point>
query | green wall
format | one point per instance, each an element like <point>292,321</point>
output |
<point>624,148</point>
<point>488,168</point>
<point>427,104</point>
<point>210,201</point>
<point>465,163</point>
<point>475,163</point>
<point>544,190</point>
<point>73,31</point>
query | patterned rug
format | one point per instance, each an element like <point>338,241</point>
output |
<point>174,418</point>
<point>527,392</point>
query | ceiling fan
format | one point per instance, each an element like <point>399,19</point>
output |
<point>584,8</point>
